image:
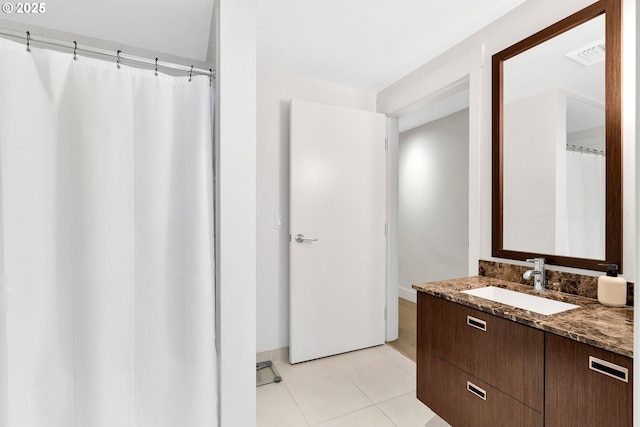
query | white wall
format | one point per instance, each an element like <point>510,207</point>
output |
<point>236,239</point>
<point>434,202</point>
<point>472,58</point>
<point>274,93</point>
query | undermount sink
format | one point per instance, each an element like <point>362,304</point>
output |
<point>524,301</point>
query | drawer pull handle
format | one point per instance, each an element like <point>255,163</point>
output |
<point>477,323</point>
<point>476,390</point>
<point>607,368</point>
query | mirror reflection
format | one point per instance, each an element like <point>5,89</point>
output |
<point>554,145</point>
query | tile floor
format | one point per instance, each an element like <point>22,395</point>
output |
<point>372,387</point>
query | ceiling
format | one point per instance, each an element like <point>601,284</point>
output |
<point>365,44</point>
<point>361,44</point>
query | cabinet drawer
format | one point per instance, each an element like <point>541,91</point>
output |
<point>463,400</point>
<point>586,386</point>
<point>505,354</point>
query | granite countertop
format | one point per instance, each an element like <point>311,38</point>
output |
<point>592,323</point>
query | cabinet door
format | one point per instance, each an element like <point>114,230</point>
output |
<point>463,401</point>
<point>586,386</point>
<point>505,354</point>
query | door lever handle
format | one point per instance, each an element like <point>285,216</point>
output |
<point>301,239</point>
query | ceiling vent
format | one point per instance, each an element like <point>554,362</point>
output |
<point>590,54</point>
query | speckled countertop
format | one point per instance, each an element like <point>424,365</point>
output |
<point>592,323</point>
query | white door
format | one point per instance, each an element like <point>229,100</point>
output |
<point>337,252</point>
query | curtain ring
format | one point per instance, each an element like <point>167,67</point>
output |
<point>156,67</point>
<point>191,73</point>
<point>75,50</point>
<point>28,41</point>
<point>118,60</point>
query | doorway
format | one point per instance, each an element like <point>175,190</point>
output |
<point>433,203</point>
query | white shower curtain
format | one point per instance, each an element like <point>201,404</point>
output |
<point>106,221</point>
<point>586,205</point>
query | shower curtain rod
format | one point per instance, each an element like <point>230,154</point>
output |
<point>118,56</point>
<point>585,150</point>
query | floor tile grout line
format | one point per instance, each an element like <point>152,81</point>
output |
<point>311,376</point>
<point>275,385</point>
<point>306,420</point>
<point>335,366</point>
<point>388,353</point>
<point>412,393</point>
<point>367,395</point>
<point>372,403</point>
<point>351,365</point>
<point>366,362</point>
<point>402,367</point>
<point>386,416</point>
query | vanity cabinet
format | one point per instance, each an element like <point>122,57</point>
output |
<point>491,367</point>
<point>586,386</point>
<point>477,369</point>
<point>464,400</point>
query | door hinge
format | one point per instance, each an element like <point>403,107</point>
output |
<point>386,228</point>
<point>385,313</point>
<point>386,143</point>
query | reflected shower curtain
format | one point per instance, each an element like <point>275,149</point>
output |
<point>586,205</point>
<point>106,245</point>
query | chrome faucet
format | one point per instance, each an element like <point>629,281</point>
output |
<point>537,273</point>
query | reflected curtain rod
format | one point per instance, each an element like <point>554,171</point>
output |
<point>118,56</point>
<point>578,149</point>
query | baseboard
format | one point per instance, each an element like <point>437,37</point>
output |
<point>408,294</point>
<point>275,355</point>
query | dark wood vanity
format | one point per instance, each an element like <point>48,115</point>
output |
<point>492,365</point>
<point>478,369</point>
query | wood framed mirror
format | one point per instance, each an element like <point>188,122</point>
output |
<point>555,94</point>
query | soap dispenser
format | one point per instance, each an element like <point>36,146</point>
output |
<point>612,290</point>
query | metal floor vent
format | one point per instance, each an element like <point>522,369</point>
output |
<point>266,373</point>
